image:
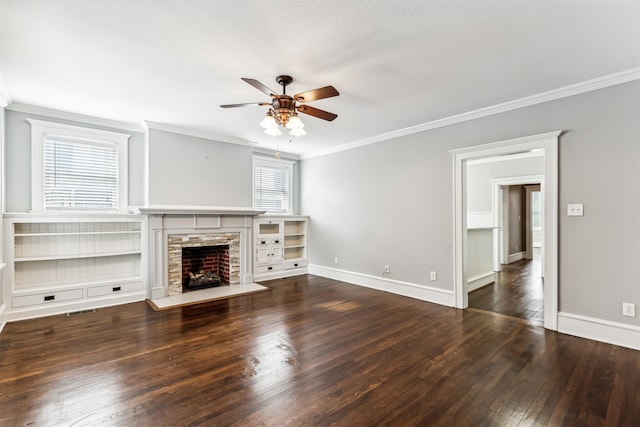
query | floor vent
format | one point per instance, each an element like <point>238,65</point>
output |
<point>78,313</point>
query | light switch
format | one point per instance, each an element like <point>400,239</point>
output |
<point>575,209</point>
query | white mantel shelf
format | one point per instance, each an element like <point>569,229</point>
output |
<point>197,210</point>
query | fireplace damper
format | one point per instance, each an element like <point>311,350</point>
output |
<point>205,267</point>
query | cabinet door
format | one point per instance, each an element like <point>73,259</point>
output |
<point>263,255</point>
<point>276,253</point>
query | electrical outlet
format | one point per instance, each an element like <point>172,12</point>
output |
<point>628,309</point>
<point>335,260</point>
<point>433,275</point>
<point>575,209</point>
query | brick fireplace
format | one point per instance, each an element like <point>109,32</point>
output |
<point>201,247</point>
<point>205,267</point>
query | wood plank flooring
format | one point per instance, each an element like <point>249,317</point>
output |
<point>311,351</point>
<point>517,291</point>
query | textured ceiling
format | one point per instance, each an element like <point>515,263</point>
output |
<point>396,63</point>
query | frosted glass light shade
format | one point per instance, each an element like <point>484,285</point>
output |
<point>295,123</point>
<point>274,131</point>
<point>268,122</point>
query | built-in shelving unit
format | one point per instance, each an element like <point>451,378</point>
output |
<point>60,265</point>
<point>280,247</point>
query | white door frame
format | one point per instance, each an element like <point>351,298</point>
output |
<point>548,142</point>
<point>501,231</point>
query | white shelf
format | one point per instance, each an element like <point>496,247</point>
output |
<point>80,256</point>
<point>76,256</point>
<point>78,233</point>
<point>287,240</point>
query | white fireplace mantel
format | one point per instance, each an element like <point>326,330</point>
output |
<point>166,221</point>
<point>196,210</point>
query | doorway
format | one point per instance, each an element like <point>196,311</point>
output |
<point>515,286</point>
<point>549,214</point>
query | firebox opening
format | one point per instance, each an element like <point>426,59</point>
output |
<point>205,267</point>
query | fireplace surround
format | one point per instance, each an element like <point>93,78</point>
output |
<point>171,229</point>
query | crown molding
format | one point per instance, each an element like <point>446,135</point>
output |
<point>551,95</point>
<point>272,153</point>
<point>74,117</point>
<point>196,133</point>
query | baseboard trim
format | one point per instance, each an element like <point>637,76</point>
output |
<point>33,312</point>
<point>481,280</point>
<point>599,330</point>
<point>407,289</point>
<point>515,257</point>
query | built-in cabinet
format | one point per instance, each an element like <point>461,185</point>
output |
<point>280,247</point>
<point>59,265</point>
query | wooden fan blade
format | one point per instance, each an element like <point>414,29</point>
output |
<point>259,86</point>
<point>320,93</point>
<point>315,112</point>
<point>249,104</point>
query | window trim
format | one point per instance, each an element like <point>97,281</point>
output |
<point>275,164</point>
<point>40,129</point>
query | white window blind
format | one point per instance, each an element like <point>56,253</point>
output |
<point>80,174</point>
<point>271,188</point>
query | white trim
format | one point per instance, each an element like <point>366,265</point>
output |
<point>599,330</point>
<point>74,117</point>
<point>412,290</point>
<point>548,142</point>
<point>32,312</point>
<point>40,128</point>
<point>267,152</point>
<point>517,156</point>
<point>5,96</point>
<point>3,322</point>
<point>515,257</point>
<point>481,280</point>
<point>551,95</point>
<point>197,133</point>
<point>503,232</point>
<point>191,209</point>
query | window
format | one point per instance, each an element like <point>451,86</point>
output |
<point>272,185</point>
<point>77,169</point>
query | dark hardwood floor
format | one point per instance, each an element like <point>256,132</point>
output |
<point>516,292</point>
<point>312,351</point>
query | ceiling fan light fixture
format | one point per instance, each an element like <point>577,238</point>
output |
<point>283,109</point>
<point>297,132</point>
<point>268,122</point>
<point>294,122</point>
<point>274,131</point>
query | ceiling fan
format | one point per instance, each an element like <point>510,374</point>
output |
<point>284,109</point>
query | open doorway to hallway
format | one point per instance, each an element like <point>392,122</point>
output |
<point>504,226</point>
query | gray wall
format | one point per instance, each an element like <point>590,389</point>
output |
<point>479,176</point>
<point>185,170</point>
<point>18,160</point>
<point>391,202</point>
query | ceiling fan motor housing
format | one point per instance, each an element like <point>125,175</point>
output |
<point>284,107</point>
